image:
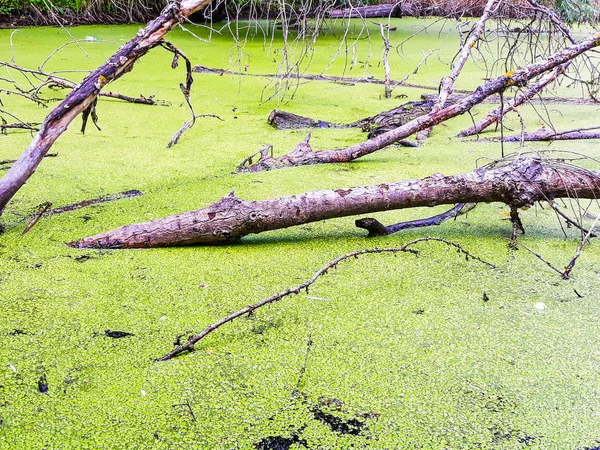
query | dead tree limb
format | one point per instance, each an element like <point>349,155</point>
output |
<point>80,98</point>
<point>94,201</point>
<point>545,134</point>
<point>376,228</point>
<point>385,36</point>
<point>52,80</point>
<point>494,116</point>
<point>374,125</point>
<point>312,77</point>
<point>407,248</point>
<point>519,78</point>
<point>518,183</point>
<point>447,83</point>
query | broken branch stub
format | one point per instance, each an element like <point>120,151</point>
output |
<point>519,183</point>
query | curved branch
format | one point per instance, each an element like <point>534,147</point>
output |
<point>189,345</point>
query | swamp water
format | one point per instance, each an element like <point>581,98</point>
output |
<point>384,352</point>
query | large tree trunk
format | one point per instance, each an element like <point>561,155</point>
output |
<point>84,96</point>
<point>518,184</point>
<point>304,155</point>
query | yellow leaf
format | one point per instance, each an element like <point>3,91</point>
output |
<point>510,73</point>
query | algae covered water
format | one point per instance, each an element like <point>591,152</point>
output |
<point>426,351</point>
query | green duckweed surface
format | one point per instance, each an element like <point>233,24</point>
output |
<point>430,352</point>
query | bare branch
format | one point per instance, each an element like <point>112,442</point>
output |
<point>407,248</point>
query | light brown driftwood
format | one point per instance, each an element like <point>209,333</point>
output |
<point>518,184</point>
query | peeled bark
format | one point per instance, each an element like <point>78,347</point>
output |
<point>518,184</point>
<point>496,85</point>
<point>83,97</point>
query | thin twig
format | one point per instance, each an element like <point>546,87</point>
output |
<point>538,256</point>
<point>42,209</point>
<point>189,345</point>
<point>584,241</point>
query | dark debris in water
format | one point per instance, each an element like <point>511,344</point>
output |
<point>322,412</point>
<point>43,384</point>
<point>352,426</point>
<point>116,334</point>
<point>17,331</point>
<point>280,442</point>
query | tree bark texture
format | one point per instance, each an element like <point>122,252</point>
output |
<point>305,155</point>
<point>386,10</point>
<point>84,96</point>
<point>519,183</point>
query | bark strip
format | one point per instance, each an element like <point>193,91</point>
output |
<point>496,85</point>
<point>80,98</point>
<point>519,183</point>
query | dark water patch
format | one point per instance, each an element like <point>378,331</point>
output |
<point>280,442</point>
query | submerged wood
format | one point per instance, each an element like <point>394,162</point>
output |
<point>314,77</point>
<point>306,156</point>
<point>376,228</point>
<point>85,94</point>
<point>375,125</point>
<point>520,183</point>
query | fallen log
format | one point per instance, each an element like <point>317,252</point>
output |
<point>315,77</point>
<point>368,12</point>
<point>518,183</point>
<point>375,125</point>
<point>84,96</point>
<point>304,154</point>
